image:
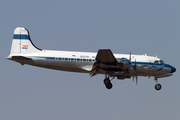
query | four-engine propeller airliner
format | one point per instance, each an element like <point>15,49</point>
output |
<point>103,62</point>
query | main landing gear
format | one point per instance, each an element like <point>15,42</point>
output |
<point>157,86</point>
<point>108,83</point>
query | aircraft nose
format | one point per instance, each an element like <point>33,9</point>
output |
<point>173,69</point>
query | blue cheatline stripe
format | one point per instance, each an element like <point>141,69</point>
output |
<point>66,59</point>
<point>50,58</point>
<point>21,37</point>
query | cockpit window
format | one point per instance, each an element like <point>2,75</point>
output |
<point>156,61</point>
<point>159,61</point>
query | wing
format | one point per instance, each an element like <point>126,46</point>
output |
<point>105,62</point>
<point>105,56</point>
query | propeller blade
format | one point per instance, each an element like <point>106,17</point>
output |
<point>133,78</point>
<point>135,71</point>
<point>130,58</point>
<point>134,74</point>
<point>136,80</point>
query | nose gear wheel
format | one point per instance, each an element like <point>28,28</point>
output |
<point>157,86</point>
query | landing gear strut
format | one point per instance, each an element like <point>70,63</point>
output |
<point>157,86</point>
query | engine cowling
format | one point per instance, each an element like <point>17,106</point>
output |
<point>124,62</point>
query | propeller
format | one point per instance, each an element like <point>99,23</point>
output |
<point>134,68</point>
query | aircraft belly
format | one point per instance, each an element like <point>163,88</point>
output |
<point>72,66</point>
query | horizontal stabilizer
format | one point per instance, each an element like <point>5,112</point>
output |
<point>22,60</point>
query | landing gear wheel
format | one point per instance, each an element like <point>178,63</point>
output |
<point>106,81</point>
<point>109,85</point>
<point>158,86</point>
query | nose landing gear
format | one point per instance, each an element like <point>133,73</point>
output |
<point>157,86</point>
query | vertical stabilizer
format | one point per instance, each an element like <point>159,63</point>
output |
<point>22,43</point>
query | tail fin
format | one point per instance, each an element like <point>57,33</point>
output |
<point>22,42</point>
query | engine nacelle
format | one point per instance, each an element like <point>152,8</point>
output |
<point>123,62</point>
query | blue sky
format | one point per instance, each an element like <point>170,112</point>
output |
<point>140,26</point>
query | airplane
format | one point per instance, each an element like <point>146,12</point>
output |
<point>104,61</point>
